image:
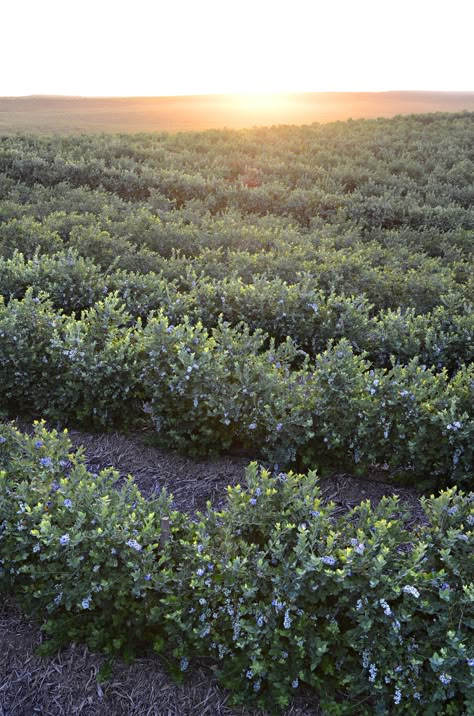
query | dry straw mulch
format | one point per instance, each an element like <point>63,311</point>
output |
<point>193,483</point>
<point>66,684</point>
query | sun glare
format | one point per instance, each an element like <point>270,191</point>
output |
<point>248,47</point>
<point>253,102</point>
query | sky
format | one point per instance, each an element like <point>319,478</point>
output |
<point>187,47</point>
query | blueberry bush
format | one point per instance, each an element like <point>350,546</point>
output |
<point>301,294</point>
<point>275,588</point>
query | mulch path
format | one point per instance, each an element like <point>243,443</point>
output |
<point>194,482</point>
<point>191,482</point>
<point>66,684</point>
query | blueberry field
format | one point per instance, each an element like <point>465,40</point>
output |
<point>298,295</point>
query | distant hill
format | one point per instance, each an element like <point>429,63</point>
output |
<point>48,114</point>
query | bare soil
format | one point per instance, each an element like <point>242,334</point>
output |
<point>66,684</point>
<point>73,115</point>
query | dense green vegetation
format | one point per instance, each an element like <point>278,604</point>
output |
<point>303,293</point>
<point>278,590</point>
<point>304,289</point>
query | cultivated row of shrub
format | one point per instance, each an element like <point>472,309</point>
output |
<point>374,613</point>
<point>311,317</point>
<point>391,268</point>
<point>387,173</point>
<point>382,208</point>
<point>205,391</point>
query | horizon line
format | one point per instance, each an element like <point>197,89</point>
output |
<point>47,95</point>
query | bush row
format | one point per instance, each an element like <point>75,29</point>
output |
<point>311,317</point>
<point>390,269</point>
<point>276,588</point>
<point>207,390</point>
<point>388,173</point>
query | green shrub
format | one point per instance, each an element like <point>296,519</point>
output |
<point>65,368</point>
<point>70,281</point>
<point>417,424</point>
<point>280,591</point>
<point>338,398</point>
<point>29,237</point>
<point>80,553</point>
<point>208,390</point>
<point>28,374</point>
<point>295,595</point>
<point>99,366</point>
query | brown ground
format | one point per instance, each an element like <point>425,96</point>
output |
<point>193,483</point>
<point>66,685</point>
<point>71,115</point>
